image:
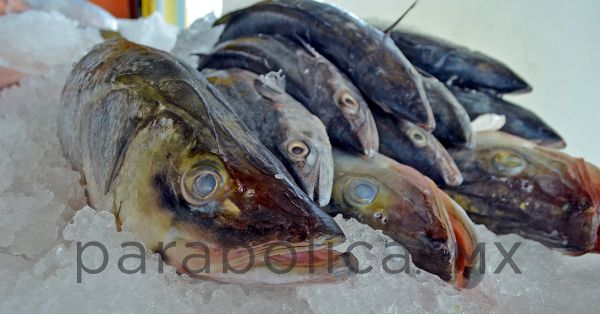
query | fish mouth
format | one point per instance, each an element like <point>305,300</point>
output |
<point>597,248</point>
<point>590,177</point>
<point>276,263</point>
<point>467,271</point>
<point>560,144</point>
<point>368,137</point>
<point>319,184</point>
<point>448,169</point>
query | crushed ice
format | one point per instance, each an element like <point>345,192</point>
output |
<point>39,231</point>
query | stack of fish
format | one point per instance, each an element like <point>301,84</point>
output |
<point>302,103</point>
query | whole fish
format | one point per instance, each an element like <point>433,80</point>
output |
<point>283,125</point>
<point>365,54</point>
<point>155,145</point>
<point>519,121</point>
<point>458,65</point>
<point>409,208</point>
<point>411,145</point>
<point>311,79</point>
<point>452,122</point>
<point>515,186</point>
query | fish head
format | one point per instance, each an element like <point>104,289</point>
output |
<point>358,121</point>
<point>406,206</point>
<point>303,143</point>
<point>429,154</point>
<point>194,177</point>
<point>514,186</point>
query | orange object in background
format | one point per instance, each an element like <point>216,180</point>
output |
<point>119,8</point>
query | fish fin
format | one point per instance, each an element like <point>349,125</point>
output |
<point>312,51</point>
<point>224,19</point>
<point>270,85</point>
<point>388,30</point>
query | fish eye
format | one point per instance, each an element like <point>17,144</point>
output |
<point>360,191</point>
<point>298,149</point>
<point>200,184</point>
<point>348,103</point>
<point>508,162</point>
<point>417,137</point>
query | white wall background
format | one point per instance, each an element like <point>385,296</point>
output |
<point>554,45</point>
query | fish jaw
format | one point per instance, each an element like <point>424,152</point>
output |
<point>368,136</point>
<point>319,189</point>
<point>276,263</point>
<point>467,273</point>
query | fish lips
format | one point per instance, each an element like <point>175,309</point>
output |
<point>276,263</point>
<point>315,175</point>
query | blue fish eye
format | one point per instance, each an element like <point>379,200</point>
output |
<point>361,191</point>
<point>364,192</point>
<point>205,184</point>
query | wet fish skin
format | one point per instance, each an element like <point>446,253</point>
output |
<point>411,145</point>
<point>155,144</point>
<point>409,208</point>
<point>371,59</point>
<point>458,65</point>
<point>337,102</point>
<point>515,186</point>
<point>519,121</point>
<point>452,122</point>
<point>283,125</point>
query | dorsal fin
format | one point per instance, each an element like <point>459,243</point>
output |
<point>391,27</point>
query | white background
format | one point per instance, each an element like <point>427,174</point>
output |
<point>553,44</point>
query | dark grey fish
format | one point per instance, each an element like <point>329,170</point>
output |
<point>519,121</point>
<point>311,79</point>
<point>365,54</point>
<point>452,122</point>
<point>410,145</point>
<point>283,125</point>
<point>515,186</point>
<point>458,65</point>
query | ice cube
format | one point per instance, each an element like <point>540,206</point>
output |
<point>151,31</point>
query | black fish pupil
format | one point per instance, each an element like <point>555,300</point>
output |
<point>297,150</point>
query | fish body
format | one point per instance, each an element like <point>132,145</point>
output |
<point>283,125</point>
<point>519,121</point>
<point>369,57</point>
<point>458,65</point>
<point>156,145</point>
<point>515,186</point>
<point>409,208</point>
<point>410,145</point>
<point>452,122</point>
<point>311,79</point>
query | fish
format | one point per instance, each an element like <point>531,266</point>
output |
<point>452,122</point>
<point>516,186</point>
<point>412,210</point>
<point>283,125</point>
<point>413,146</point>
<point>156,145</point>
<point>519,121</point>
<point>311,79</point>
<point>457,65</point>
<point>370,58</point>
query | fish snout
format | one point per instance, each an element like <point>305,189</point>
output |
<point>368,136</point>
